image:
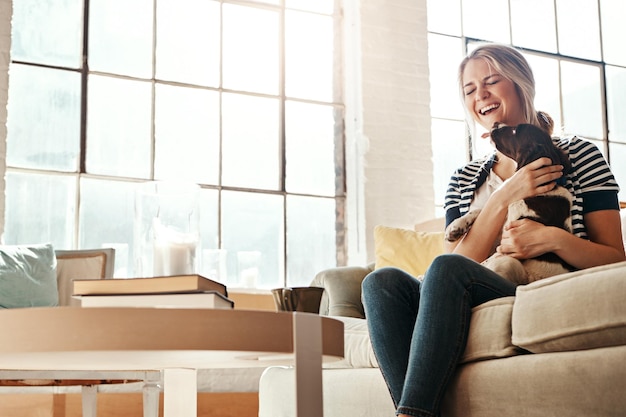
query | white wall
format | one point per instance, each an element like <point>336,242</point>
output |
<point>5,47</point>
<point>388,130</point>
<point>395,89</point>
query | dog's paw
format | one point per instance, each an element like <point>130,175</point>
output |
<point>455,231</point>
<point>459,227</point>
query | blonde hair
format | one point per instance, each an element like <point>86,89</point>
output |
<point>512,65</point>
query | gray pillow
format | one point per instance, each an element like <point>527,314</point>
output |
<point>28,276</point>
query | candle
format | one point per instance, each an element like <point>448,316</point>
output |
<point>174,252</point>
<point>174,258</point>
<point>249,277</point>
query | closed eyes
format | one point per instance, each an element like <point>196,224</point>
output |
<point>489,80</point>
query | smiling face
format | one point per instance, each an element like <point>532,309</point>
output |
<point>489,97</point>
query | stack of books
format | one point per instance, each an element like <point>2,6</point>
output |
<point>179,291</point>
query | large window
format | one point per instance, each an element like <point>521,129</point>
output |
<point>575,49</point>
<point>240,97</point>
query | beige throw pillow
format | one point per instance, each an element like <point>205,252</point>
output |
<point>408,250</point>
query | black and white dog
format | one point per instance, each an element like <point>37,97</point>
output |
<point>526,143</point>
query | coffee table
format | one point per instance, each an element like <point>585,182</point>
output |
<point>177,342</point>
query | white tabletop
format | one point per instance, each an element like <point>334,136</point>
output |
<point>75,338</point>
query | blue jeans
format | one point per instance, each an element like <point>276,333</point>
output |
<point>419,329</point>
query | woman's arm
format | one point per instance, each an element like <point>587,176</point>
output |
<point>525,239</point>
<point>535,178</point>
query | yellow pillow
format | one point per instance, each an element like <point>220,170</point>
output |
<point>408,250</point>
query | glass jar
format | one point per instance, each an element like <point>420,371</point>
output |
<point>166,235</point>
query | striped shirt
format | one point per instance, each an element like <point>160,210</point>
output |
<point>591,182</point>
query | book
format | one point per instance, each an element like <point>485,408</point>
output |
<point>151,285</point>
<point>207,299</point>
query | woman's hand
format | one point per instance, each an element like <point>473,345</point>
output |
<point>538,177</point>
<point>524,239</point>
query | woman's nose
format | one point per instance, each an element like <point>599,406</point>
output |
<point>481,93</point>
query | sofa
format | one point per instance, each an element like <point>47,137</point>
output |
<point>558,348</point>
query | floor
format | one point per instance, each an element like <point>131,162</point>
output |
<point>122,405</point>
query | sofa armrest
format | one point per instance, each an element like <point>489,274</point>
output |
<point>342,295</point>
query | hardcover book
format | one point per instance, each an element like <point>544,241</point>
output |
<point>193,283</point>
<point>207,299</point>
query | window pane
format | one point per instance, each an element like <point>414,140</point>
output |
<point>250,156</point>
<point>40,209</point>
<point>188,41</point>
<point>542,35</point>
<point>449,153</point>
<point>547,91</point>
<point>488,25</point>
<point>320,6</point>
<point>118,131</point>
<point>120,37</point>
<point>107,210</point>
<point>444,55</point>
<point>43,120</point>
<point>250,50</point>
<point>47,32</point>
<point>579,29</point>
<point>616,102</point>
<point>253,222</point>
<point>187,134</point>
<point>582,99</point>
<point>444,16</point>
<point>310,238</point>
<point>618,156</point>
<point>209,238</point>
<point>310,148</point>
<point>309,59</point>
<point>613,14</point>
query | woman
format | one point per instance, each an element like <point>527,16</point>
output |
<point>419,328</point>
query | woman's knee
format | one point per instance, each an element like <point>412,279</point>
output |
<point>450,270</point>
<point>379,279</point>
<point>387,280</point>
<point>448,259</point>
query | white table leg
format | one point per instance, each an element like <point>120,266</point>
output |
<point>307,334</point>
<point>89,400</point>
<point>151,391</point>
<point>180,392</point>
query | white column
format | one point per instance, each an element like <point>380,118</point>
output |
<point>89,400</point>
<point>180,392</point>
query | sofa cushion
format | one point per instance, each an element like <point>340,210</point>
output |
<point>489,337</point>
<point>28,276</point>
<point>358,351</point>
<point>490,331</point>
<point>408,250</point>
<point>580,310</point>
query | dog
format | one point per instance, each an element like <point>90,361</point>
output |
<point>526,143</point>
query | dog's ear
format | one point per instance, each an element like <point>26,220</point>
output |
<point>556,154</point>
<point>562,159</point>
<point>537,143</point>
